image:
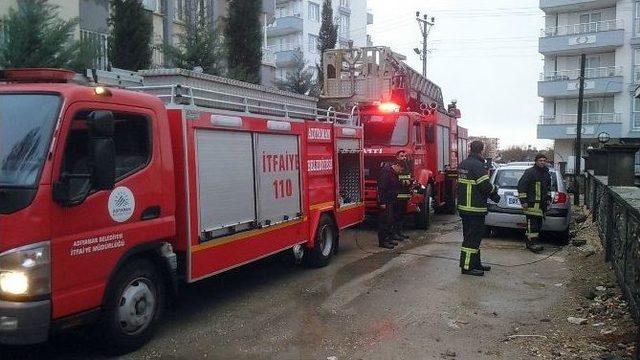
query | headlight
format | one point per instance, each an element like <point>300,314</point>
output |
<point>26,271</point>
<point>15,283</point>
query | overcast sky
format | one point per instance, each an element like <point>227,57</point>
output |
<point>483,53</point>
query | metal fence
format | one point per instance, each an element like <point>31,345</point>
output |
<point>616,212</point>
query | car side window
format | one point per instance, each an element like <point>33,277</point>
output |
<point>131,139</point>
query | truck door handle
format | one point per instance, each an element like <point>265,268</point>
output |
<point>152,212</point>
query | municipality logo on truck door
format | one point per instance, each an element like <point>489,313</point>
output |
<point>122,204</point>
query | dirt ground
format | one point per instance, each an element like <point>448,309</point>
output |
<point>602,328</point>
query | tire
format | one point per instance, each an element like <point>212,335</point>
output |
<point>324,246</point>
<point>424,217</point>
<point>562,237</point>
<point>489,231</point>
<point>137,287</point>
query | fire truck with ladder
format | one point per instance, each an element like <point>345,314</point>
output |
<point>110,197</point>
<point>400,110</point>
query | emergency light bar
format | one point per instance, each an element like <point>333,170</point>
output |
<point>388,107</point>
<point>41,75</point>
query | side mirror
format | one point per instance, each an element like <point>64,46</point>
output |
<point>93,172</point>
<point>102,150</point>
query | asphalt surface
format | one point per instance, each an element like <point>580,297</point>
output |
<point>369,303</point>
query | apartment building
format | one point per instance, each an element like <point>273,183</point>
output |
<point>297,25</point>
<point>608,32</point>
<point>169,21</point>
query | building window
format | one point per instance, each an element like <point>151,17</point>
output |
<point>636,66</point>
<point>313,43</point>
<point>291,8</point>
<point>314,12</point>
<point>637,19</point>
<point>636,114</point>
<point>345,3</point>
<point>152,5</point>
<point>589,22</point>
<point>343,26</point>
<point>178,10</point>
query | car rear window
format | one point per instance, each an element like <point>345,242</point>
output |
<point>508,179</point>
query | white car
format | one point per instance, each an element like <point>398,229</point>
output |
<point>508,212</point>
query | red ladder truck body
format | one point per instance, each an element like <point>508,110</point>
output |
<point>400,110</point>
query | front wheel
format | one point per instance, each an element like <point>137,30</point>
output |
<point>326,241</point>
<point>132,307</point>
<point>424,217</point>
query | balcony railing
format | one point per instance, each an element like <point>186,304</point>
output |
<point>590,118</point>
<point>100,41</point>
<point>284,47</point>
<point>591,73</point>
<point>586,28</point>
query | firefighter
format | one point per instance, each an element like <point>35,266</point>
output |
<point>388,188</point>
<point>404,195</point>
<point>474,188</point>
<point>534,194</point>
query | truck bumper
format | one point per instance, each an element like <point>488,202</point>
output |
<point>23,323</point>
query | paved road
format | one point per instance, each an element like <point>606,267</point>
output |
<point>409,303</point>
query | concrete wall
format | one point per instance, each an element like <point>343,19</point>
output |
<point>94,15</point>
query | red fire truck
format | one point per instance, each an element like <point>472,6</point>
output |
<point>110,197</point>
<point>400,110</point>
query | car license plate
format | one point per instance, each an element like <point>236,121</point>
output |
<point>513,201</point>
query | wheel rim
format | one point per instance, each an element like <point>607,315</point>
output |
<point>136,306</point>
<point>326,240</point>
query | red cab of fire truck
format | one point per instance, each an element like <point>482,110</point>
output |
<point>401,111</point>
<point>110,197</point>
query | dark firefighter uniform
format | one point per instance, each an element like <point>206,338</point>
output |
<point>404,195</point>
<point>533,189</point>
<point>474,188</point>
<point>389,187</point>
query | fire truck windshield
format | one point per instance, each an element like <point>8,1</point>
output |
<point>26,125</point>
<point>386,130</point>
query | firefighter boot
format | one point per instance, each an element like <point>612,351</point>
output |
<point>480,265</point>
<point>469,262</point>
<point>534,248</point>
<point>386,245</point>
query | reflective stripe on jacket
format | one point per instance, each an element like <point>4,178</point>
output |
<point>474,187</point>
<point>534,189</point>
<point>405,192</point>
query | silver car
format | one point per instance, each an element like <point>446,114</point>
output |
<point>508,212</point>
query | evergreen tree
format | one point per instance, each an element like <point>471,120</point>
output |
<point>130,45</point>
<point>299,80</point>
<point>243,40</point>
<point>327,38</point>
<point>200,46</point>
<point>35,36</point>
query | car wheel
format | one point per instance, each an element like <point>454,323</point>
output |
<point>562,237</point>
<point>424,217</point>
<point>489,231</point>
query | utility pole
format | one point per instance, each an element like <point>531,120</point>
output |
<point>578,149</point>
<point>425,25</point>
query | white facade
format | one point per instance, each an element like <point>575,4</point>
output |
<point>297,26</point>
<point>608,33</point>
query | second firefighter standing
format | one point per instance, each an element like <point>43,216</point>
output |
<point>404,195</point>
<point>534,194</point>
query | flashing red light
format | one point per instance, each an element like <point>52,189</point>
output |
<point>388,107</point>
<point>36,75</point>
<point>560,198</point>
